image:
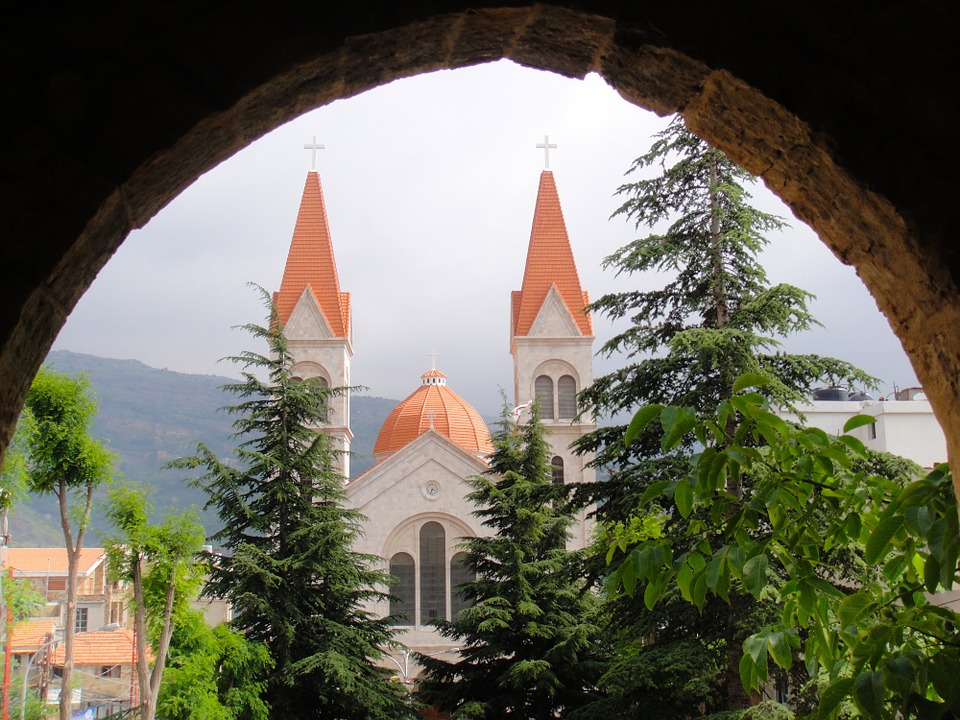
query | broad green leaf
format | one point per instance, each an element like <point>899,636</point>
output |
<point>683,497</point>
<point>858,421</point>
<point>748,380</point>
<point>852,607</point>
<point>755,647</point>
<point>755,574</point>
<point>833,695</point>
<point>918,519</point>
<point>651,594</point>
<point>640,420</point>
<point>879,542</point>
<point>654,491</point>
<point>684,577</point>
<point>945,674</point>
<point>676,422</point>
<point>780,650</point>
<point>628,576</point>
<point>931,574</point>
<point>868,693</point>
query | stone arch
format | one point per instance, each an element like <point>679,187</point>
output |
<point>798,96</point>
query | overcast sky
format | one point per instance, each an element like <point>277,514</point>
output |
<point>430,185</point>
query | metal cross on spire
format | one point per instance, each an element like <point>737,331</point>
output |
<point>546,146</point>
<point>313,147</point>
<point>433,355</point>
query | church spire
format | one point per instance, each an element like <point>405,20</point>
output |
<point>311,265</point>
<point>549,263</point>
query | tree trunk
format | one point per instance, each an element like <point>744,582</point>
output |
<point>70,617</point>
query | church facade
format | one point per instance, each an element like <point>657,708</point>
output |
<point>414,495</point>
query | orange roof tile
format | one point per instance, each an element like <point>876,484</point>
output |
<point>100,647</point>
<point>40,560</point>
<point>452,416</point>
<point>30,635</point>
<point>549,262</point>
<point>310,264</point>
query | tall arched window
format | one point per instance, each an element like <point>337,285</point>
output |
<point>433,573</point>
<point>403,588</point>
<point>459,575</point>
<point>556,466</point>
<point>544,389</point>
<point>567,397</point>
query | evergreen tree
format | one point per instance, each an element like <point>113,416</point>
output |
<point>715,318</point>
<point>528,648</point>
<point>288,566</point>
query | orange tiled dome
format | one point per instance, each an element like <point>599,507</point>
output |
<point>433,405</point>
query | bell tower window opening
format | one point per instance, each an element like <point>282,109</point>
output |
<point>433,573</point>
<point>543,387</point>
<point>567,397</point>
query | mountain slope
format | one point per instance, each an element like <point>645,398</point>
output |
<point>148,417</point>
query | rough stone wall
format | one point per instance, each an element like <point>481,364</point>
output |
<point>110,110</point>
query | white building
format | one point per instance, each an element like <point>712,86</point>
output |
<point>905,426</point>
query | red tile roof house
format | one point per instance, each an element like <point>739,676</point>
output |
<point>103,672</point>
<point>99,601</point>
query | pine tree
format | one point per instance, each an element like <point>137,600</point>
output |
<point>527,644</point>
<point>715,318</point>
<point>288,566</point>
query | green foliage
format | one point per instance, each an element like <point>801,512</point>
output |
<point>877,637</point>
<point>528,644</point>
<point>62,455</point>
<point>213,673</point>
<point>159,555</point>
<point>19,597</point>
<point>713,317</point>
<point>288,566</point>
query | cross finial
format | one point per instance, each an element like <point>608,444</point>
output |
<point>313,147</point>
<point>431,415</point>
<point>546,146</point>
<point>433,355</point>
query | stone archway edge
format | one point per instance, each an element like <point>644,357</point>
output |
<point>149,103</point>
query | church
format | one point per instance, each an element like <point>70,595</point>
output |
<point>413,496</point>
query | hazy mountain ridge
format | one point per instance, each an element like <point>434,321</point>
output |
<point>147,417</point>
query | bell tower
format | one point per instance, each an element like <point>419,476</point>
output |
<point>551,337</point>
<point>314,313</point>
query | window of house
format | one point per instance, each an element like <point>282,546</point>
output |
<point>110,671</point>
<point>556,466</point>
<point>459,575</point>
<point>116,612</point>
<point>56,584</point>
<point>402,588</point>
<point>433,573</point>
<point>567,397</point>
<point>543,387</point>
<point>81,624</point>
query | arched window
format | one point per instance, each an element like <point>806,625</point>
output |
<point>544,389</point>
<point>402,588</point>
<point>433,573</point>
<point>567,397</point>
<point>556,466</point>
<point>459,575</point>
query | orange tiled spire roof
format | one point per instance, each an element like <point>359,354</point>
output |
<point>310,264</point>
<point>549,262</point>
<point>433,406</point>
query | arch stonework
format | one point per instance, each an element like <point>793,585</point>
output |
<point>112,110</point>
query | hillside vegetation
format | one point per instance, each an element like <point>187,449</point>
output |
<point>149,416</point>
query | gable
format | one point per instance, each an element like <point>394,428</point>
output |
<point>307,321</point>
<point>554,318</point>
<point>430,454</point>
